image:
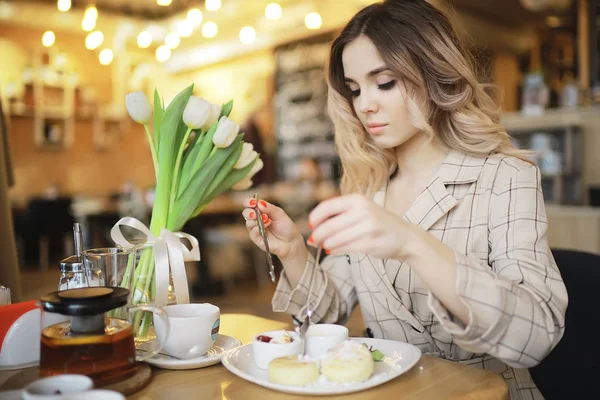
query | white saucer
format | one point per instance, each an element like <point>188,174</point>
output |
<point>223,344</point>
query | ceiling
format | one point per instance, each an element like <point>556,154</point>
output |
<point>146,9</point>
<point>494,23</point>
<point>511,12</point>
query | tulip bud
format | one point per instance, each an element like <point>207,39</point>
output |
<point>244,184</point>
<point>215,111</point>
<point>196,112</point>
<point>258,165</point>
<point>226,132</point>
<point>246,157</point>
<point>138,107</point>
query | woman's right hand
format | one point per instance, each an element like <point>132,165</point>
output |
<point>282,234</point>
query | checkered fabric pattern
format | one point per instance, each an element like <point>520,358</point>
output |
<point>491,212</point>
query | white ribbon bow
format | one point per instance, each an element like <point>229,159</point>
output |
<point>169,253</point>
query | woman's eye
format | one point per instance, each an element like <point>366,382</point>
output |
<point>355,93</point>
<point>387,85</point>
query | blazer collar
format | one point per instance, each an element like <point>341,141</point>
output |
<point>433,203</point>
<point>435,200</point>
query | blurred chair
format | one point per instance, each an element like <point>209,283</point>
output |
<point>568,371</point>
<point>49,220</point>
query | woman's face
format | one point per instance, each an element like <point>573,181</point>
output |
<point>378,96</point>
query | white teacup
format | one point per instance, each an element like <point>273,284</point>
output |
<point>193,329</point>
<point>322,337</point>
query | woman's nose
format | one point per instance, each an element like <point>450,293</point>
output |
<point>367,103</point>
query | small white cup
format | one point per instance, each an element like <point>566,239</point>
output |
<point>264,352</point>
<point>322,337</point>
<point>193,329</point>
<point>56,387</point>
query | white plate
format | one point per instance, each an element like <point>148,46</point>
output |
<point>399,358</point>
<point>223,344</point>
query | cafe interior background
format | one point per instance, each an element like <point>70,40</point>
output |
<point>75,155</point>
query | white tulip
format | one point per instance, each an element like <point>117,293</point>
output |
<point>246,157</point>
<point>215,111</point>
<point>258,165</point>
<point>226,132</point>
<point>138,107</point>
<point>196,112</point>
<point>244,184</point>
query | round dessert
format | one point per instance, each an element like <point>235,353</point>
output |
<point>293,371</point>
<point>349,361</point>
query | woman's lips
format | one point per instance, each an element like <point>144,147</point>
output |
<point>376,129</point>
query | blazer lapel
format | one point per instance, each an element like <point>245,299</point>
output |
<point>433,203</point>
<point>435,200</point>
<point>380,279</point>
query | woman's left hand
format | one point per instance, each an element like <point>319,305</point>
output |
<point>355,224</point>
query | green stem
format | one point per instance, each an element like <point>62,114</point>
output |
<point>152,150</point>
<point>175,183</point>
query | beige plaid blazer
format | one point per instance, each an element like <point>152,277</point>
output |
<point>491,212</point>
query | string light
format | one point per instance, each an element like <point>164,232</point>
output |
<point>88,25</point>
<point>313,20</point>
<point>94,40</point>
<point>91,12</point>
<point>63,5</point>
<point>247,34</point>
<point>48,38</point>
<point>210,29</point>
<point>194,16</point>
<point>212,5</point>
<point>144,39</point>
<point>106,56</point>
<point>273,11</point>
<point>163,53</point>
<point>163,2</point>
<point>172,40</point>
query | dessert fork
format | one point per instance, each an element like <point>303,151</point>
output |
<point>263,233</point>
<point>307,320</point>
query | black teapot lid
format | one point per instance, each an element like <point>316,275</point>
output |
<point>85,301</point>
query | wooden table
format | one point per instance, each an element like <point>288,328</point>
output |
<point>431,378</point>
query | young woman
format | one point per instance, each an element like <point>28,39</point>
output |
<point>440,233</point>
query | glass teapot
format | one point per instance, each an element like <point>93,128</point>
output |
<point>93,338</point>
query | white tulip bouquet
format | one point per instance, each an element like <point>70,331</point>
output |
<point>198,154</point>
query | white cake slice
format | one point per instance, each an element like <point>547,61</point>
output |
<point>349,361</point>
<point>291,371</point>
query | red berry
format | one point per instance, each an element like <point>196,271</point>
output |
<point>263,338</point>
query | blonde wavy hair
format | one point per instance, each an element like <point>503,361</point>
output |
<point>444,97</point>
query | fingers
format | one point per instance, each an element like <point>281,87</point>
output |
<point>335,230</point>
<point>332,207</point>
<point>270,210</point>
<point>250,216</point>
<point>346,240</point>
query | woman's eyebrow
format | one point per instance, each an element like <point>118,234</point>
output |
<point>371,73</point>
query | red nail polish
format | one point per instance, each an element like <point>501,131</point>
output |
<point>311,240</point>
<point>268,221</point>
<point>251,214</point>
<point>252,203</point>
<point>265,217</point>
<point>327,251</point>
<point>263,204</point>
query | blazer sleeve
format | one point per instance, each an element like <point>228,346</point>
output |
<point>333,294</point>
<point>517,301</point>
